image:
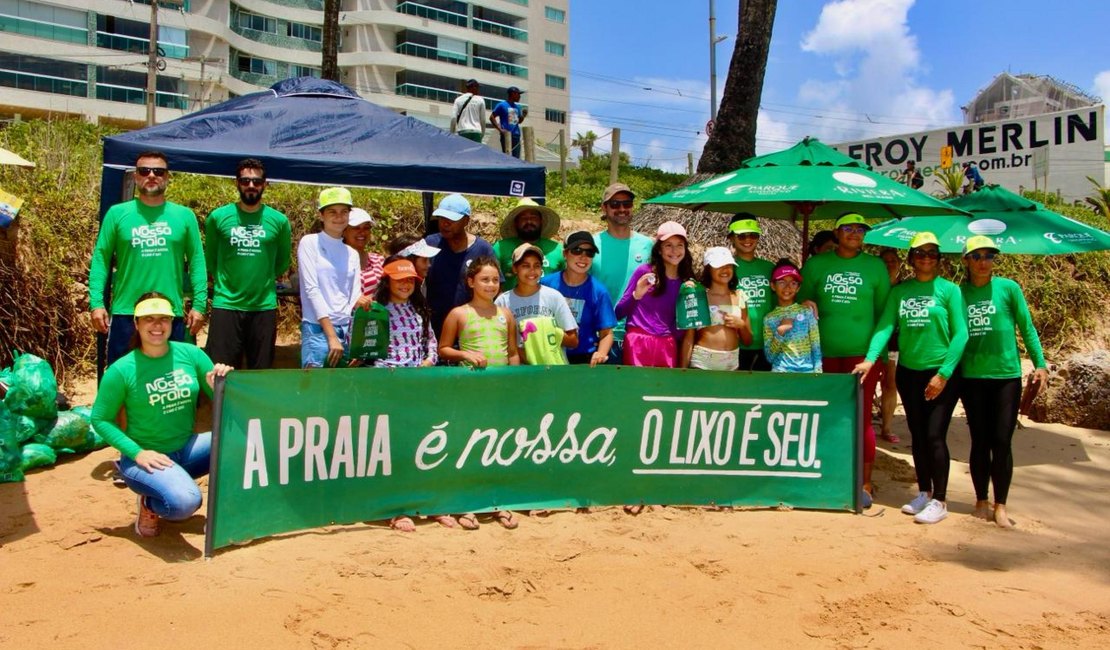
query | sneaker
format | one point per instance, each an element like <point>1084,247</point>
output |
<point>934,512</point>
<point>147,524</point>
<point>917,505</point>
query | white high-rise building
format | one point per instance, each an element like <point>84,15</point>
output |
<point>89,58</point>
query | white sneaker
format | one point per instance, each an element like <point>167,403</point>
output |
<point>917,505</point>
<point>933,513</point>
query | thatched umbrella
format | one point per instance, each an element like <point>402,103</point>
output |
<point>780,238</point>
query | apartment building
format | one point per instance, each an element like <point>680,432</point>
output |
<point>90,58</point>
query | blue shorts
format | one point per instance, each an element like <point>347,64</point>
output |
<point>314,344</point>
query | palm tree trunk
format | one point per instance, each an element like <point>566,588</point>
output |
<point>329,67</point>
<point>733,138</point>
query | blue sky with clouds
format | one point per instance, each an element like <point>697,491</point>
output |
<point>839,70</point>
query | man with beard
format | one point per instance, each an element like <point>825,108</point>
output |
<point>619,251</point>
<point>151,239</point>
<point>248,247</point>
<point>528,223</point>
<point>446,279</point>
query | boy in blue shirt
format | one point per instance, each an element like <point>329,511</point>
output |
<point>588,299</point>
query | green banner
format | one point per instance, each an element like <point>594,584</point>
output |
<point>296,449</point>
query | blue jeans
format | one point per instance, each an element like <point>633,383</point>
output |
<point>120,329</point>
<point>314,343</point>
<point>172,493</point>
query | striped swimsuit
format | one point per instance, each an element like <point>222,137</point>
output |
<point>489,336</point>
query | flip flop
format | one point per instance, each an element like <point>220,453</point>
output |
<point>447,521</point>
<point>506,519</point>
<point>468,521</point>
<point>634,510</point>
<point>891,437</point>
<point>402,523</point>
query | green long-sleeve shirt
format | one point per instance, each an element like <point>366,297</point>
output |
<point>850,294</point>
<point>754,277</point>
<point>159,396</point>
<point>151,246</point>
<point>932,327</point>
<point>246,252</point>
<point>993,312</point>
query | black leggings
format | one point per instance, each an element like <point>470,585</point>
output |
<point>928,421</point>
<point>992,410</point>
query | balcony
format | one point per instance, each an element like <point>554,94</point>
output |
<point>138,45</point>
<point>40,29</point>
<point>426,92</point>
<point>128,95</point>
<point>433,13</point>
<point>500,67</point>
<point>428,52</point>
<point>43,83</point>
<point>278,40</point>
<point>500,29</point>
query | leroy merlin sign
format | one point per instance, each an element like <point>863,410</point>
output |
<point>296,449</point>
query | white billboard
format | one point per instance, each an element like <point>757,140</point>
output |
<point>1002,150</point>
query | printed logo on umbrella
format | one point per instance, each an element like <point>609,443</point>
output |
<point>987,227</point>
<point>854,179</point>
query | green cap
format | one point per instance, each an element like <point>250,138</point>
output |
<point>979,242</point>
<point>924,238</point>
<point>745,226</point>
<point>334,195</point>
<point>851,218</point>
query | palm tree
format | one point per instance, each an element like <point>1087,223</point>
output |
<point>1100,198</point>
<point>585,143</point>
<point>733,138</point>
<point>329,66</point>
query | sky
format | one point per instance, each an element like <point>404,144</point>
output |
<point>838,70</point>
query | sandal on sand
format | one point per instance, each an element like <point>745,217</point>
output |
<point>506,519</point>
<point>402,523</point>
<point>634,510</point>
<point>468,521</point>
<point>447,521</point>
<point>891,437</point>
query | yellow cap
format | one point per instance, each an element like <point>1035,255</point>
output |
<point>745,226</point>
<point>924,238</point>
<point>154,307</point>
<point>334,195</point>
<point>850,218</point>
<point>979,242</point>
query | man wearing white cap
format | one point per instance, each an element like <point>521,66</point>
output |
<point>848,289</point>
<point>247,247</point>
<point>330,289</point>
<point>620,250</point>
<point>446,280</point>
<point>528,223</point>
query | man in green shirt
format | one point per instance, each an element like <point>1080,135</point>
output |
<point>528,223</point>
<point>247,246</point>
<point>152,240</point>
<point>619,251</point>
<point>848,288</point>
<point>754,276</point>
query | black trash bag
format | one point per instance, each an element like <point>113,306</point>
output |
<point>33,390</point>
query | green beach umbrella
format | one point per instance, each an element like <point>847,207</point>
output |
<point>1019,226</point>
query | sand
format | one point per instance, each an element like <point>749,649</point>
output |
<point>74,575</point>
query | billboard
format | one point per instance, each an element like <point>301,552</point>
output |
<point>1073,142</point>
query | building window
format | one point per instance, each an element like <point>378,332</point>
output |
<point>306,32</point>
<point>40,21</point>
<point>557,15</point>
<point>256,65</point>
<point>303,71</point>
<point>553,81</point>
<point>558,49</point>
<point>552,115</point>
<point>256,22</point>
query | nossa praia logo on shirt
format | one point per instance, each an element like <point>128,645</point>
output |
<point>151,239</point>
<point>842,287</point>
<point>915,309</point>
<point>247,239</point>
<point>979,317</point>
<point>755,286</point>
<point>173,391</point>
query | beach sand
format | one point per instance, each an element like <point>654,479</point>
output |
<point>73,574</point>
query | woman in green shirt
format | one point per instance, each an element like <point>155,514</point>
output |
<point>991,368</point>
<point>932,333</point>
<point>156,385</point>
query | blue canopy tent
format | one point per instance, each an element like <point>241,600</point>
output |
<point>310,130</point>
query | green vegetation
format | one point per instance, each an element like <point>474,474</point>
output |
<point>44,302</point>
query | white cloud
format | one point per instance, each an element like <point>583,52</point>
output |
<point>877,62</point>
<point>771,135</point>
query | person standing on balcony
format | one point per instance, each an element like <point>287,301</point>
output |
<point>470,113</point>
<point>506,118</point>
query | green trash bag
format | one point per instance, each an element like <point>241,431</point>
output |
<point>11,460</point>
<point>33,391</point>
<point>36,455</point>
<point>25,428</point>
<point>70,432</point>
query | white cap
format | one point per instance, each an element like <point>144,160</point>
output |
<point>359,217</point>
<point>719,257</point>
<point>419,248</point>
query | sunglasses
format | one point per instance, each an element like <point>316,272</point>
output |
<point>147,171</point>
<point>854,228</point>
<point>978,257</point>
<point>746,235</point>
<point>613,203</point>
<point>935,255</point>
<point>588,252</point>
<point>788,283</point>
<point>257,182</point>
